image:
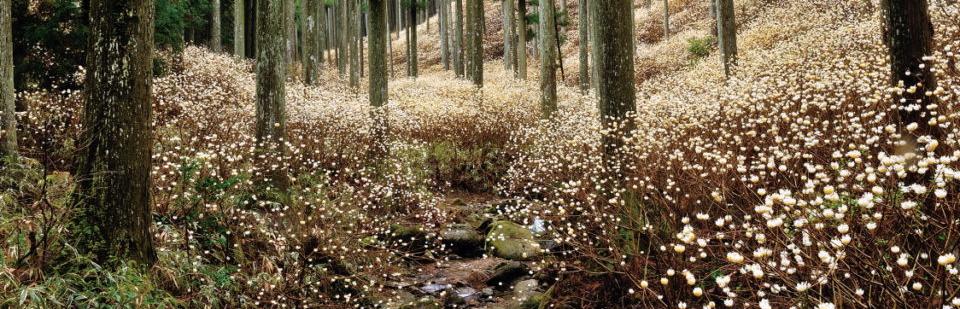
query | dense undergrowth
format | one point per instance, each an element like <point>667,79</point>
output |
<point>777,188</point>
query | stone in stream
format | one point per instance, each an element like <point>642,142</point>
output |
<point>527,293</point>
<point>434,288</point>
<point>505,273</point>
<point>460,297</point>
<point>426,302</point>
<point>467,293</point>
<point>463,240</point>
<point>512,241</point>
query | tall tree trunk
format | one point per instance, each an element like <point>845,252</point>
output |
<point>909,37</point>
<point>250,12</point>
<point>444,51</point>
<point>666,18</point>
<point>238,29</point>
<point>413,40</point>
<point>458,44</point>
<point>390,42</point>
<point>290,14</point>
<point>548,63</point>
<point>354,36</point>
<point>112,196</point>
<point>727,26</point>
<point>271,101</point>
<point>8,138</point>
<point>379,34</point>
<point>310,38</point>
<point>215,45</point>
<point>584,33</point>
<point>399,17</point>
<point>365,22</point>
<point>321,32</point>
<point>508,26</point>
<point>343,38</point>
<point>617,95</point>
<point>522,39</point>
<point>536,32</point>
<point>475,30</point>
<point>592,7</point>
<point>713,16</point>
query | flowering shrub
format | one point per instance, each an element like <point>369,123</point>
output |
<point>780,189</point>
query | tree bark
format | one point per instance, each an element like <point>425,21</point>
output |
<point>399,17</point>
<point>909,38</point>
<point>8,138</point>
<point>343,36</point>
<point>584,33</point>
<point>592,7</point>
<point>521,39</point>
<point>322,33</point>
<point>310,38</point>
<point>354,43</point>
<point>238,29</point>
<point>377,41</point>
<point>444,51</point>
<point>271,100</point>
<point>536,32</point>
<point>458,41</point>
<point>666,18</point>
<point>727,26</point>
<point>413,40</point>
<point>548,63</point>
<point>617,93</point>
<point>509,49</point>
<point>378,53</point>
<point>112,195</point>
<point>215,45</point>
<point>290,13</point>
<point>475,29</point>
<point>713,16</point>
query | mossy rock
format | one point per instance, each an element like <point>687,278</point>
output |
<point>406,232</point>
<point>506,273</point>
<point>408,237</point>
<point>512,241</point>
<point>463,240</point>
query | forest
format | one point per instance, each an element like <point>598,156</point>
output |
<point>479,154</point>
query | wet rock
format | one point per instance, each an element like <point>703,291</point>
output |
<point>527,293</point>
<point>460,297</point>
<point>434,288</point>
<point>426,302</point>
<point>401,299</point>
<point>512,241</point>
<point>506,273</point>
<point>467,293</point>
<point>463,240</point>
<point>487,292</point>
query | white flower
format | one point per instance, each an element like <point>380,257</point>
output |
<point>765,304</point>
<point>734,257</point>
<point>722,281</point>
<point>908,205</point>
<point>803,286</point>
<point>946,259</point>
